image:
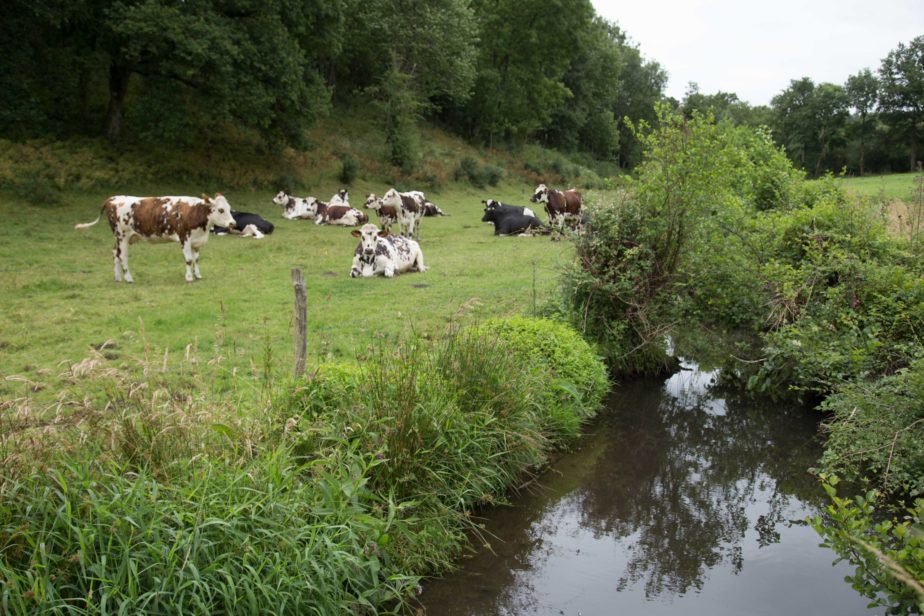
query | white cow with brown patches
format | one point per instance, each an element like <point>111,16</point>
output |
<point>388,215</point>
<point>382,254</point>
<point>410,207</point>
<point>186,220</point>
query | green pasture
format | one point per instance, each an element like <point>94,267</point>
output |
<point>60,303</point>
<point>884,187</point>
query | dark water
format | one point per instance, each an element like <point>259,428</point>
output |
<point>678,502</point>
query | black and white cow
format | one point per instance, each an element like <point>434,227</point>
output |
<point>294,208</point>
<point>510,219</point>
<point>494,205</point>
<point>186,220</point>
<point>341,198</point>
<point>246,225</point>
<point>383,254</point>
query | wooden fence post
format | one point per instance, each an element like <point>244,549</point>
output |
<point>301,322</point>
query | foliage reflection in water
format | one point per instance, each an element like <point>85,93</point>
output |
<point>678,500</point>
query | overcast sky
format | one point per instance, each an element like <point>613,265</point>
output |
<point>754,49</point>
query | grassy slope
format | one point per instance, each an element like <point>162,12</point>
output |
<point>58,297</point>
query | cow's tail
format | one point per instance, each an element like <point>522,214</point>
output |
<point>88,224</point>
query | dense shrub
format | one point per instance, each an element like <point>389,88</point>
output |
<point>479,176</point>
<point>876,430</point>
<point>888,554</point>
<point>575,379</point>
<point>845,302</point>
<point>349,169</point>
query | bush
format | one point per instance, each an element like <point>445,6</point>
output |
<point>876,430</point>
<point>575,377</point>
<point>479,176</point>
<point>845,302</point>
<point>349,169</point>
<point>888,555</point>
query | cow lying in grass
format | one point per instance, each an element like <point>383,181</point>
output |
<point>382,254</point>
<point>246,225</point>
<point>510,219</point>
<point>186,220</point>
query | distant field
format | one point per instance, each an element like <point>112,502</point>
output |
<point>59,301</point>
<point>899,196</point>
<point>889,187</point>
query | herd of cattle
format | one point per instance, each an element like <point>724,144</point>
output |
<point>189,220</point>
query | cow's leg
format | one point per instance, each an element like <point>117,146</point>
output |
<point>418,262</point>
<point>122,248</point>
<point>117,268</point>
<point>386,265</point>
<point>195,252</point>
<point>188,255</point>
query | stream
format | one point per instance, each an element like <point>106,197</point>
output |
<point>676,501</point>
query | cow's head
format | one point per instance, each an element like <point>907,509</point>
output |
<point>372,202</point>
<point>296,208</point>
<point>281,198</point>
<point>368,238</point>
<point>344,195</point>
<point>541,194</point>
<point>219,211</point>
<point>490,210</point>
<point>392,198</point>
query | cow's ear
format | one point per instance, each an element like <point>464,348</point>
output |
<point>356,233</point>
<point>383,233</point>
<point>205,198</point>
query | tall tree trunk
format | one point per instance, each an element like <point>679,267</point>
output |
<point>118,89</point>
<point>914,144</point>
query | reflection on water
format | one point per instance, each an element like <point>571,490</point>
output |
<point>678,501</point>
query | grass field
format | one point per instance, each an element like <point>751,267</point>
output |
<point>59,301</point>
<point>885,187</point>
<point>900,195</point>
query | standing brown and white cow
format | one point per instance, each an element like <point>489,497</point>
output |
<point>388,215</point>
<point>186,220</point>
<point>563,207</point>
<point>410,207</point>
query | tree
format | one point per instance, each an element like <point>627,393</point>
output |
<point>902,95</point>
<point>809,121</point>
<point>191,64</point>
<point>586,120</point>
<point>413,56</point>
<point>525,50</point>
<point>862,94</point>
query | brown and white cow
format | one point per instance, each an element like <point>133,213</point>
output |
<point>410,207</point>
<point>328,214</point>
<point>388,215</point>
<point>186,220</point>
<point>562,206</point>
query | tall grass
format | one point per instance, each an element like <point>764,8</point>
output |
<point>268,535</point>
<point>359,479</point>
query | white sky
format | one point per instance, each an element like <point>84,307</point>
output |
<point>754,49</point>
